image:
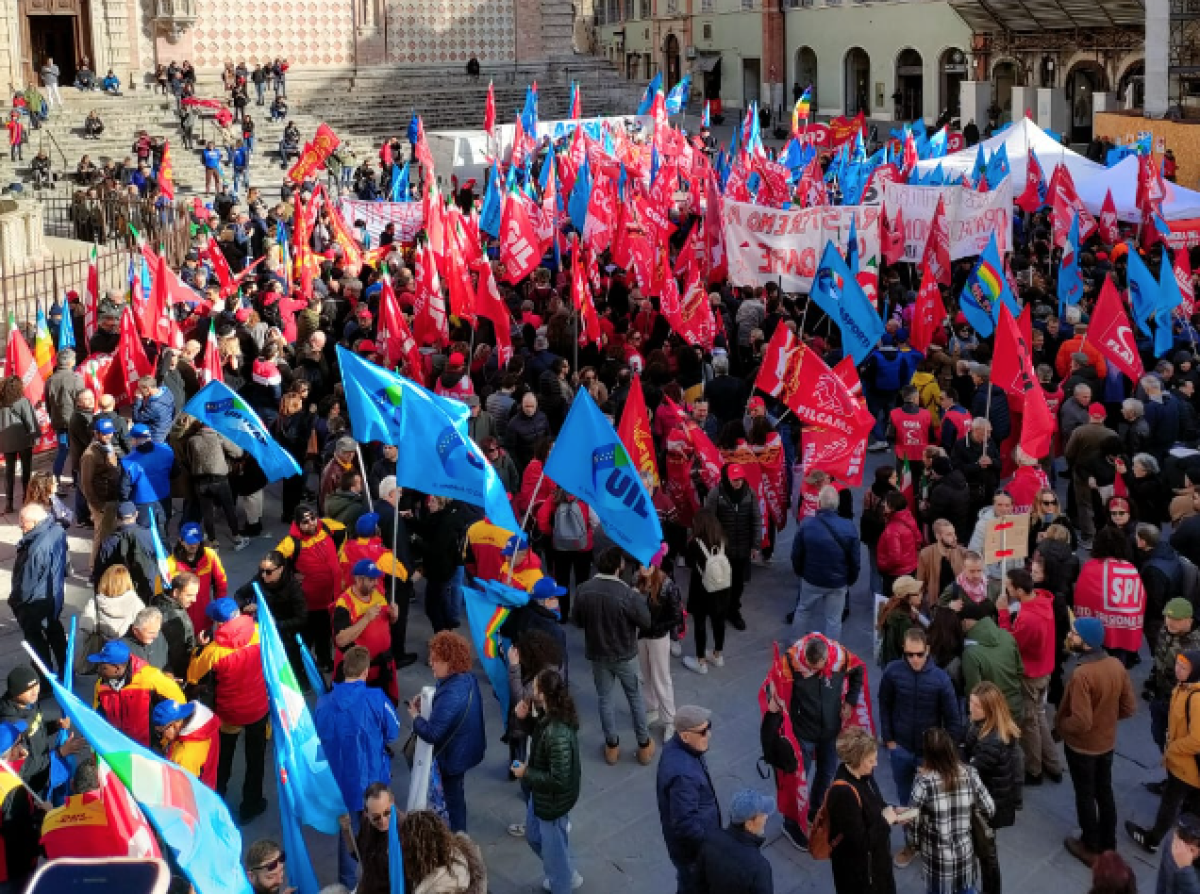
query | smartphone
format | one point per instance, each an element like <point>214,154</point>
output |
<point>110,875</point>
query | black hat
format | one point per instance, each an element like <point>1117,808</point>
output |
<point>21,679</point>
<point>975,611</point>
<point>941,466</point>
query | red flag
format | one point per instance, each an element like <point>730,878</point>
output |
<point>601,220</point>
<point>1110,228</point>
<point>91,297</point>
<point>430,326</point>
<point>1012,368</point>
<point>1112,335</point>
<point>910,153</point>
<point>1183,276</point>
<point>212,253</point>
<point>1031,199</point>
<point>928,314</point>
<point>312,159</point>
<point>797,376</point>
<point>1037,424</point>
<point>634,432</point>
<point>393,337</point>
<point>18,361</point>
<point>129,362</point>
<point>518,241</point>
<point>691,317</point>
<point>166,174</point>
<point>811,191</point>
<point>458,274</point>
<point>582,297</point>
<point>165,290</point>
<point>210,369</point>
<point>1064,201</point>
<point>936,259</point>
<point>490,306</point>
<point>489,110</point>
<point>714,235</point>
<point>892,237</point>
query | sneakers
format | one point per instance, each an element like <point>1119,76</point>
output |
<point>1141,836</point>
<point>798,839</point>
<point>240,543</point>
<point>693,664</point>
<point>576,882</point>
<point>517,830</point>
<point>612,754</point>
<point>905,857</point>
<point>676,648</point>
<point>645,752</point>
<point>716,658</point>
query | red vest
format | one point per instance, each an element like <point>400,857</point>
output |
<point>961,420</point>
<point>912,433</point>
<point>1111,590</point>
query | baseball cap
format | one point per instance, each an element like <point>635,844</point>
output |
<point>191,534</point>
<point>10,732</point>
<point>1097,411</point>
<point>1178,609</point>
<point>168,712</point>
<point>690,717</point>
<point>222,610</point>
<point>103,425</point>
<point>515,542</point>
<point>906,585</point>
<point>736,472</point>
<point>141,430</point>
<point>366,524</point>
<point>546,588</point>
<point>126,510</point>
<point>746,805</point>
<point>367,568</point>
<point>114,652</point>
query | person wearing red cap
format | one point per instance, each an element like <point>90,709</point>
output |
<point>1086,452</point>
<point>455,381</point>
<point>737,509</point>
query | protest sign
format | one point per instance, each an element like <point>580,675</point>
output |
<point>973,216</point>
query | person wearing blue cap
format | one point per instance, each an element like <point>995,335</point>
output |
<point>1097,695</point>
<point>150,466</point>
<point>190,736</point>
<point>19,820</point>
<point>230,668</point>
<point>395,584</point>
<point>100,479</point>
<point>363,617</point>
<point>128,689</point>
<point>191,555</point>
<point>542,612</point>
<point>130,545</point>
<point>521,569</point>
<point>154,407</point>
<point>732,859</point>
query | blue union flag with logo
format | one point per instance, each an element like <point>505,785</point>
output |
<point>218,407</point>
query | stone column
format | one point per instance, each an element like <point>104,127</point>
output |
<point>12,242</point>
<point>34,224</point>
<point>1024,98</point>
<point>974,98</point>
<point>110,30</point>
<point>1052,112</point>
<point>1158,36</point>
<point>10,44</point>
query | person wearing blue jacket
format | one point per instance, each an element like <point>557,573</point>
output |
<point>211,156</point>
<point>825,555</point>
<point>39,574</point>
<point>455,724</point>
<point>995,411</point>
<point>687,802</point>
<point>154,407</point>
<point>355,723</point>
<point>149,468</point>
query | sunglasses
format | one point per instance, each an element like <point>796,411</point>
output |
<point>270,570</point>
<point>702,731</point>
<point>271,865</point>
<point>1049,502</point>
<point>1117,512</point>
<point>379,817</point>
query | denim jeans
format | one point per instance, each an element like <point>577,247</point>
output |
<point>438,603</point>
<point>456,800</point>
<point>904,771</point>
<point>64,451</point>
<point>606,674</point>
<point>241,176</point>
<point>820,609</point>
<point>258,92</point>
<point>347,865</point>
<point>823,754</point>
<point>548,839</point>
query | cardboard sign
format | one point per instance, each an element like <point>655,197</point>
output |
<point>1006,539</point>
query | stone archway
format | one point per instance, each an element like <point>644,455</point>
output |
<point>805,70</point>
<point>1084,80</point>
<point>671,65</point>
<point>952,71</point>
<point>856,82</point>
<point>910,86</point>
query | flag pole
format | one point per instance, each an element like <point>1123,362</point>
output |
<point>37,799</point>
<point>362,465</point>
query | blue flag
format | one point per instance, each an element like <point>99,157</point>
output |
<point>838,293</point>
<point>997,167</point>
<point>590,462</point>
<point>984,290</point>
<point>316,680</point>
<point>1169,298</point>
<point>529,114</point>
<point>66,329</point>
<point>300,873</point>
<point>1070,279</point>
<point>655,86</point>
<point>581,194</point>
<point>414,128</point>
<point>190,817</point>
<point>400,184</point>
<point>298,754</point>
<point>395,856</point>
<point>1143,290</point>
<point>677,99</point>
<point>938,143</point>
<point>436,455</point>
<point>487,609</point>
<point>161,556</point>
<point>223,411</point>
<point>493,206</point>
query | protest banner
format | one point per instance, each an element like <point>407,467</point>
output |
<point>766,245</point>
<point>408,217</point>
<point>973,216</point>
<point>1006,539</point>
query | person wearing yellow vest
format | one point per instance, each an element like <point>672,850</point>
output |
<point>128,689</point>
<point>367,544</point>
<point>363,617</point>
<point>190,736</point>
<point>18,815</point>
<point>521,569</point>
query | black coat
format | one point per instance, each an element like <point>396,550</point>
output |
<point>732,863</point>
<point>999,768</point>
<point>862,857</point>
<point>738,512</point>
<point>950,498</point>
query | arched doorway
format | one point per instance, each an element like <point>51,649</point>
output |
<point>952,70</point>
<point>856,95</point>
<point>1131,89</point>
<point>57,29</point>
<point>1082,83</point>
<point>909,97</point>
<point>806,71</point>
<point>1004,78</point>
<point>671,61</point>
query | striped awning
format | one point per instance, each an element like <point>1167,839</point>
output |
<point>985,16</point>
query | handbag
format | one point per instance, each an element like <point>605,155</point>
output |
<point>410,744</point>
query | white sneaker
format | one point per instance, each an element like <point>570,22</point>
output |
<point>716,658</point>
<point>240,543</point>
<point>676,648</point>
<point>651,718</point>
<point>576,882</point>
<point>517,830</point>
<point>692,664</point>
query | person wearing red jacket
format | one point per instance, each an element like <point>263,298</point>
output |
<point>912,429</point>
<point>1033,629</point>
<point>900,543</point>
<point>311,547</point>
<point>83,827</point>
<point>228,671</point>
<point>190,736</point>
<point>128,690</point>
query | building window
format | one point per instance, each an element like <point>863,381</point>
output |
<point>646,10</point>
<point>672,7</point>
<point>706,31</point>
<point>628,10</point>
<point>747,4</point>
<point>706,6</point>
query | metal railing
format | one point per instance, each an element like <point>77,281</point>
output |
<point>110,220</point>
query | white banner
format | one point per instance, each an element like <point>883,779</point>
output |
<point>766,245</point>
<point>972,216</point>
<point>409,218</point>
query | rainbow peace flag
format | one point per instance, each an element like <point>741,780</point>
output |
<point>43,345</point>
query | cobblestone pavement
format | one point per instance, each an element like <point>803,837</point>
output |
<point>615,835</point>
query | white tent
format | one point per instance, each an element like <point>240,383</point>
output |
<point>1092,180</point>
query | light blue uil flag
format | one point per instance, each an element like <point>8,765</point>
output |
<point>218,407</point>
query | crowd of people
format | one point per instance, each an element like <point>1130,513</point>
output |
<point>975,650</point>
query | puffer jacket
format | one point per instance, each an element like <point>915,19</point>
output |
<point>911,702</point>
<point>522,434</point>
<point>687,801</point>
<point>553,773</point>
<point>666,613</point>
<point>228,672</point>
<point>110,616</point>
<point>355,722</point>
<point>825,550</point>
<point>1183,730</point>
<point>40,569</point>
<point>156,411</point>
<point>316,559</point>
<point>950,498</point>
<point>455,725</point>
<point>999,768</point>
<point>900,545</point>
<point>992,654</point>
<point>739,514</point>
<point>1033,630</point>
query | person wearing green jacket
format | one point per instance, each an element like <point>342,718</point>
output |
<point>551,778</point>
<point>991,654</point>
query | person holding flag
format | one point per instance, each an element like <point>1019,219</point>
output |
<point>150,466</point>
<point>362,616</point>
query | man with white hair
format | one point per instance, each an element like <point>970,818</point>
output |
<point>38,577</point>
<point>1162,416</point>
<point>144,638</point>
<point>825,555</point>
<point>393,529</point>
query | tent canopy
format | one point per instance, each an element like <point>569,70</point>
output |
<point>1092,180</point>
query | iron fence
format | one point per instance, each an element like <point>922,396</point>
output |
<point>111,220</point>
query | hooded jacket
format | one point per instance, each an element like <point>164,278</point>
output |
<point>355,722</point>
<point>197,748</point>
<point>129,708</point>
<point>316,559</point>
<point>1033,629</point>
<point>110,616</point>
<point>992,654</point>
<point>1183,726</point>
<point>229,670</point>
<point>900,545</point>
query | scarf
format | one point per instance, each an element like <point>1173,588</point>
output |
<point>975,592</point>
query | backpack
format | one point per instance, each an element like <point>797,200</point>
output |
<point>718,573</point>
<point>1189,580</point>
<point>820,847</point>
<point>569,532</point>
